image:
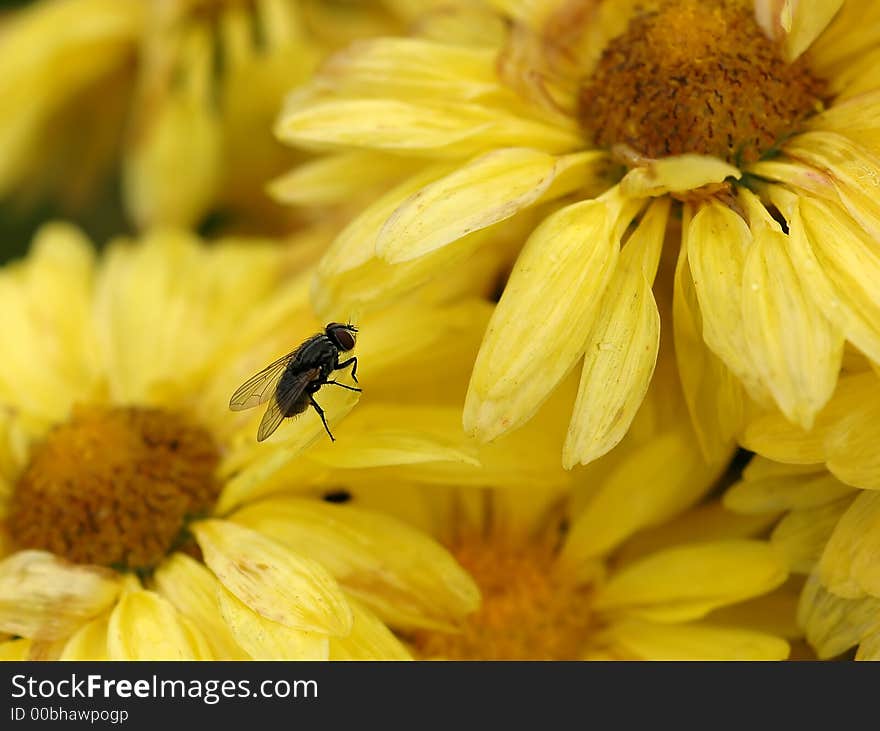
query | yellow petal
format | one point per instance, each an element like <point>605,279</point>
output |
<point>777,493</point>
<point>773,613</point>
<point>856,118</point>
<point>256,478</point>
<point>851,447</point>
<point>89,642</point>
<point>795,23</point>
<point>397,571</point>
<point>714,397</point>
<point>796,351</point>
<point>172,175</point>
<point>370,639</point>
<point>852,34</point>
<point>286,445</point>
<point>854,171</point>
<point>376,283</point>
<point>19,649</point>
<point>43,650</point>
<point>46,333</point>
<point>356,243</point>
<point>411,68</point>
<point>335,179</point>
<point>488,189</point>
<point>415,127</point>
<point>384,436</point>
<point>263,639</point>
<point>539,327</point>
<point>676,174</point>
<point>773,436</point>
<point>770,16</point>
<point>45,597</point>
<point>718,244</point>
<point>858,76</point>
<point>466,25</point>
<point>192,589</point>
<point>835,261</point>
<point>696,641</point>
<point>272,580</point>
<point>181,323</point>
<point>869,648</point>
<point>444,332</point>
<point>849,566</point>
<point>801,536</point>
<point>622,347</point>
<point>687,582</point>
<point>832,623</point>
<point>705,523</point>
<point>794,174</point>
<point>144,626</point>
<point>652,484</point>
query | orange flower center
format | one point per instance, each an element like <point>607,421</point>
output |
<point>528,611</point>
<point>114,486</point>
<point>697,76</point>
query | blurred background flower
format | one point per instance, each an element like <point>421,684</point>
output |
<point>135,113</point>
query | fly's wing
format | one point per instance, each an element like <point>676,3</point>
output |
<point>280,406</point>
<point>261,387</point>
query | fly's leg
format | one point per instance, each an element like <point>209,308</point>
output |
<point>353,362</point>
<point>342,385</point>
<point>323,418</point>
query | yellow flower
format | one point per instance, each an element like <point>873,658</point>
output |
<point>126,484</point>
<point>754,124</point>
<point>175,98</point>
<point>827,532</point>
<point>826,528</point>
<point>620,569</point>
<point>684,600</point>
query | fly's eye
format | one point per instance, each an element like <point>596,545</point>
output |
<point>345,338</point>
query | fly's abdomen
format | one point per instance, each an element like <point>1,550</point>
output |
<point>292,393</point>
<point>298,406</point>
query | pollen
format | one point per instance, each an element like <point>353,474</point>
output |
<point>115,487</point>
<point>528,611</point>
<point>697,76</point>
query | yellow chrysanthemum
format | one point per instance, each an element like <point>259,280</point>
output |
<point>175,97</point>
<point>606,563</point>
<point>686,597</point>
<point>828,532</point>
<point>828,529</point>
<point>754,123</point>
<point>127,486</point>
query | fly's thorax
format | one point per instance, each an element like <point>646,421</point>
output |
<point>318,352</point>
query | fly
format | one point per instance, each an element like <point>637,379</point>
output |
<point>291,382</point>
